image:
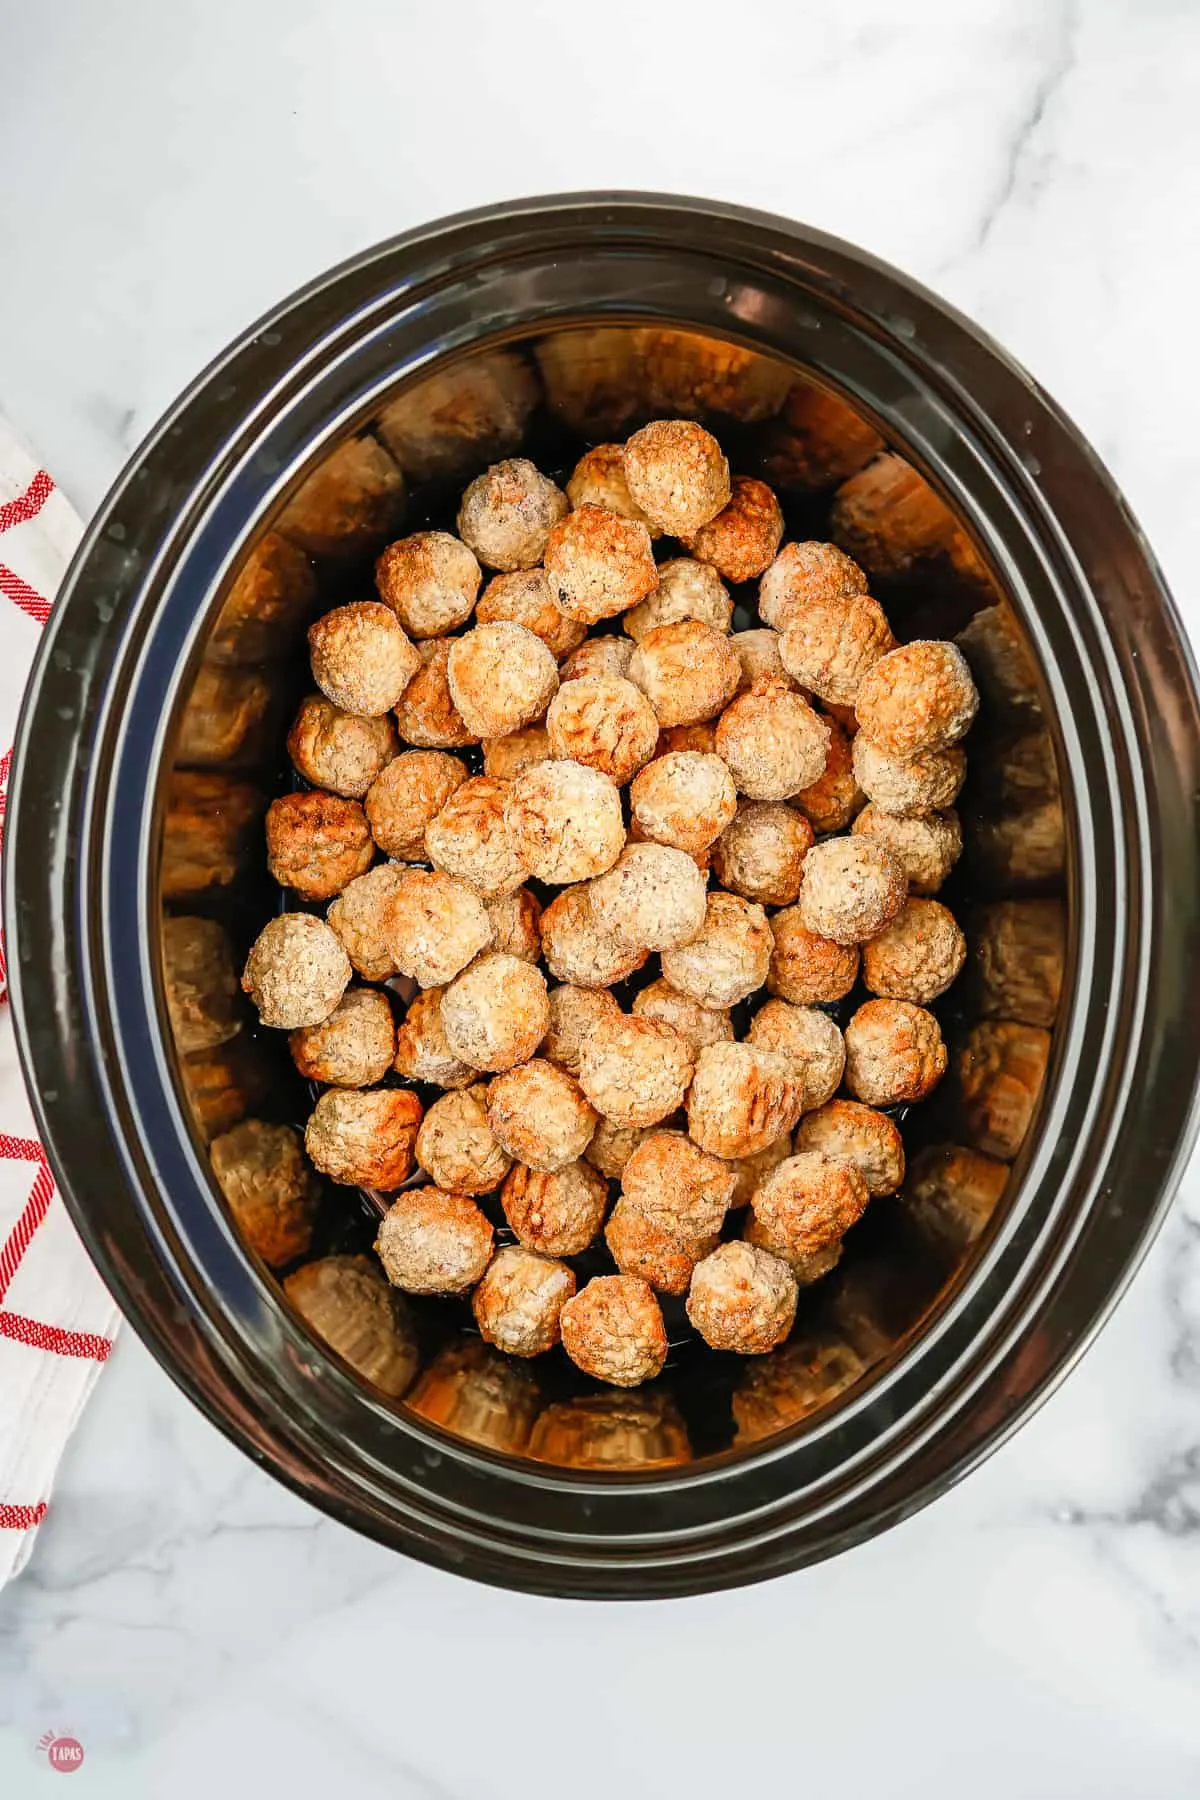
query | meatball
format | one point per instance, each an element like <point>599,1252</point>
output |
<point>361,658</point>
<point>406,796</point>
<point>917,699</point>
<point>364,1139</point>
<point>524,598</point>
<point>316,843</point>
<point>802,574</point>
<point>564,822</point>
<point>868,1138</point>
<point>686,589</point>
<point>516,921</point>
<point>807,969</point>
<point>809,1039</point>
<point>743,538</point>
<point>806,1205</point>
<point>605,722</point>
<point>427,715</point>
<point>670,1179</point>
<point>501,677</point>
<point>928,783</point>
<point>750,1171</point>
<point>599,656</point>
<point>495,1015</point>
<point>269,1189</point>
<point>684,799</point>
<point>599,564</point>
<point>468,839</point>
<point>687,671</point>
<point>699,1025</point>
<point>728,958</point>
<point>644,1245</point>
<point>358,916</point>
<point>612,1145</point>
<point>761,854</point>
<point>926,848</point>
<point>345,1301</point>
<point>575,948</point>
<point>653,896</point>
<point>575,1013</point>
<point>337,750</point>
<point>455,1146</point>
<point>434,925</point>
<point>742,1298</point>
<point>296,971</point>
<point>598,479</point>
<point>831,801</point>
<point>758,653</point>
<point>742,1099</point>
<point>558,1212</point>
<point>422,1053</point>
<point>852,888</point>
<point>773,742</point>
<point>677,475</point>
<point>613,1330</point>
<point>353,1047</point>
<point>507,514</point>
<point>504,758</point>
<point>917,956</point>
<point>201,984</point>
<point>829,645</point>
<point>431,1242</point>
<point>430,580</point>
<point>518,1302</point>
<point>635,1070</point>
<point>539,1114</point>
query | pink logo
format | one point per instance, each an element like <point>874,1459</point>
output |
<point>62,1753</point>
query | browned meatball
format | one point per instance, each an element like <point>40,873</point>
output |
<point>361,658</point>
<point>645,1245</point>
<point>677,475</point>
<point>296,972</point>
<point>468,839</point>
<point>925,784</point>
<point>652,896</point>
<point>669,1178</point>
<point>559,1211</point>
<point>598,479</point>
<point>455,1145</point>
<point>518,1302</point>
<point>743,1299</point>
<point>917,699</point>
<point>926,848</point>
<point>687,671</point>
<point>430,581</point>
<point>316,843</point>
<point>806,1205</point>
<point>760,855</point>
<point>434,926</point>
<point>807,969</point>
<point>830,645</point>
<point>564,822</point>
<point>743,538</point>
<point>504,758</point>
<point>507,514</point>
<point>852,888</point>
<point>337,750</point>
<point>742,1099</point>
<point>698,1025</point>
<point>685,799</point>
<point>358,917</point>
<point>270,1190</point>
<point>496,1013</point>
<point>516,921</point>
<point>605,722</point>
<point>427,715</point>
<point>432,1242</point>
<point>917,956</point>
<point>772,741</point>
<point>810,1041</point>
<point>613,1330</point>
<point>831,801</point>
<point>728,958</point>
<point>802,574</point>
<point>364,1139</point>
<point>409,793</point>
<point>612,1145</point>
<point>422,1053</point>
<point>635,1071</point>
<point>599,564</point>
<point>524,598</point>
<point>751,1171</point>
<point>501,677</point>
<point>577,950</point>
<point>686,589</point>
<point>598,656</point>
<point>575,1013</point>
<point>353,1047</point>
<point>868,1138</point>
<point>539,1114</point>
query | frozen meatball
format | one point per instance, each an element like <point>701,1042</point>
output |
<point>599,564</point>
<point>432,1242</point>
<point>495,1015</point>
<point>504,758</point>
<point>518,1302</point>
<point>729,956</point>
<point>296,971</point>
<point>670,1179</point>
<point>928,783</point>
<point>699,1025</point>
<point>201,983</point>
<point>635,1071</point>
<point>917,699</point>
<point>807,969</point>
<point>467,838</point>
<point>686,589</point>
<point>364,1139</point>
<point>685,799</point>
<point>575,1012</point>
<point>687,671</point>
<point>926,848</point>
<point>750,1171</point>
<point>516,921</point>
<point>430,580</point>
<point>455,1145</point>
<point>316,843</point>
<point>270,1190</point>
<point>832,800</point>
<point>575,948</point>
<point>742,1099</point>
<point>564,822</point>
<point>345,1301</point>
<point>758,653</point>
<point>507,514</point>
<point>803,573</point>
<point>852,888</point>
<point>598,479</point>
<point>644,1245</point>
<point>501,677</point>
<point>829,645</point>
<point>434,926</point>
<point>917,956</point>
<point>358,916</point>
<point>677,475</point>
<point>806,1205</point>
<point>612,1145</point>
<point>598,656</point>
<point>743,538</point>
<point>539,1114</point>
<point>409,793</point>
<point>810,1041</point>
<point>742,1299</point>
<point>605,722</point>
<point>427,715</point>
<point>772,741</point>
<point>653,896</point>
<point>868,1138</point>
<point>558,1212</point>
<point>524,598</point>
<point>337,750</point>
<point>422,1053</point>
<point>613,1330</point>
<point>353,1047</point>
<point>361,657</point>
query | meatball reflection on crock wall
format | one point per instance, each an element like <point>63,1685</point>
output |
<point>474,1392</point>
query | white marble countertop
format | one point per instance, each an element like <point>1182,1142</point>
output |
<point>169,171</point>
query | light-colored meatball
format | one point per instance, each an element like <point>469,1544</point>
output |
<point>685,799</point>
<point>575,948</point>
<point>758,653</point>
<point>455,1145</point>
<point>598,656</point>
<point>613,1330</point>
<point>809,1039</point>
<point>558,1212</point>
<point>830,645</point>
<point>917,699</point>
<point>501,677</point>
<point>831,802</point>
<point>677,475</point>
<point>422,1053</point>
<point>598,479</point>
<point>635,1070</point>
<point>687,671</point>
<point>999,1069</point>
<point>686,589</point>
<point>917,956</point>
<point>358,918</point>
<point>760,855</point>
<point>669,1178</point>
<point>361,658</point>
<point>539,1114</point>
<point>652,896</point>
<point>803,573</point>
<point>728,958</point>
<point>852,888</point>
<point>201,983</point>
<point>524,598</point>
<point>427,715</point>
<point>599,564</point>
<point>743,538</point>
<point>496,1013</point>
<point>507,514</point>
<point>925,847</point>
<point>516,921</point>
<point>270,1190</point>
<point>406,795</point>
<point>337,750</point>
<point>518,1302</point>
<point>575,1013</point>
<point>805,1205</point>
<point>504,758</point>
<point>700,1025</point>
<point>345,1301</point>
<point>296,971</point>
<point>807,969</point>
<point>434,926</point>
<point>432,1242</point>
<point>316,843</point>
<point>654,1250</point>
<point>928,783</point>
<point>742,1099</point>
<point>750,1171</point>
<point>868,1138</point>
<point>605,722</point>
<point>742,1298</point>
<point>430,580</point>
<point>353,1047</point>
<point>468,839</point>
<point>772,741</point>
<point>612,1145</point>
<point>564,822</point>
<point>364,1138</point>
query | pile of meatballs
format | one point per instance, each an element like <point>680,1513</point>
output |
<point>766,812</point>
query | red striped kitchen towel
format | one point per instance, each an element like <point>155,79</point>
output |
<point>57,1319</point>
